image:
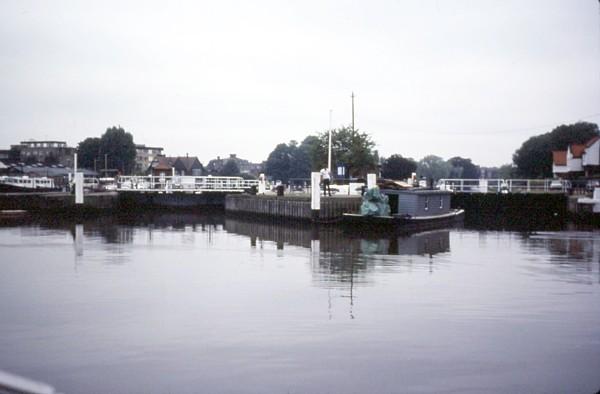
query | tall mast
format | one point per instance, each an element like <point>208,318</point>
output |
<point>352,111</point>
<point>329,146</point>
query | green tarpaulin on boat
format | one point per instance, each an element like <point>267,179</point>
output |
<point>374,203</point>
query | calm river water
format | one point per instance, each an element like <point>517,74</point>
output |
<point>188,303</point>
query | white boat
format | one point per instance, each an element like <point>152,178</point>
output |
<point>25,184</point>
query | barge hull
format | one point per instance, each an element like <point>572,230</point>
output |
<point>396,224</point>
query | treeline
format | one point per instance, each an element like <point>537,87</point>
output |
<point>354,152</point>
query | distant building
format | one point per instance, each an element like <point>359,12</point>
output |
<point>161,165</point>
<point>48,152</point>
<point>180,165</point>
<point>215,166</point>
<point>144,155</point>
<point>489,173</point>
<point>188,165</point>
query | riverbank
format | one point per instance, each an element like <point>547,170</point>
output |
<point>500,210</point>
<point>57,202</point>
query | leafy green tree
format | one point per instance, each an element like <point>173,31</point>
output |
<point>433,167</point>
<point>350,148</point>
<point>230,168</point>
<point>534,158</point>
<point>288,161</point>
<point>398,167</point>
<point>88,150</point>
<point>463,168</point>
<point>119,147</point>
<point>354,150</point>
<point>315,151</point>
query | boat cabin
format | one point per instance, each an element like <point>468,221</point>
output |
<point>418,202</point>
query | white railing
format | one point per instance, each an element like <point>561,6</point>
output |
<point>504,185</point>
<point>189,184</point>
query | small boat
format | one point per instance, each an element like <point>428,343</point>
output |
<point>410,211</point>
<point>26,184</point>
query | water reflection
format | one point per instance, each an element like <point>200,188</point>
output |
<point>337,256</point>
<point>579,252</point>
<point>448,310</point>
<point>333,239</point>
<point>340,261</point>
<point>120,229</point>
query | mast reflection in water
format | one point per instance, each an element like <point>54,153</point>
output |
<point>203,302</point>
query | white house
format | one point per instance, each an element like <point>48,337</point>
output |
<point>577,158</point>
<point>591,156</point>
<point>574,157</point>
<point>559,163</point>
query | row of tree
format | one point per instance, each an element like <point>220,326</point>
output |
<point>350,148</point>
<point>354,151</point>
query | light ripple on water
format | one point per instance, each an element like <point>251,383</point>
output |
<point>178,303</point>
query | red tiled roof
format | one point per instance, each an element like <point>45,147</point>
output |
<point>559,157</point>
<point>163,163</point>
<point>577,150</point>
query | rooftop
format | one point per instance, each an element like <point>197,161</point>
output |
<point>577,150</point>
<point>559,157</point>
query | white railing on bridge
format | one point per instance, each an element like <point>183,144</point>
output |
<point>189,184</point>
<point>505,185</point>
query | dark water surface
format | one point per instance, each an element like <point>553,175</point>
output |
<point>179,303</point>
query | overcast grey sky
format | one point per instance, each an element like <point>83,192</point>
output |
<point>451,78</point>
